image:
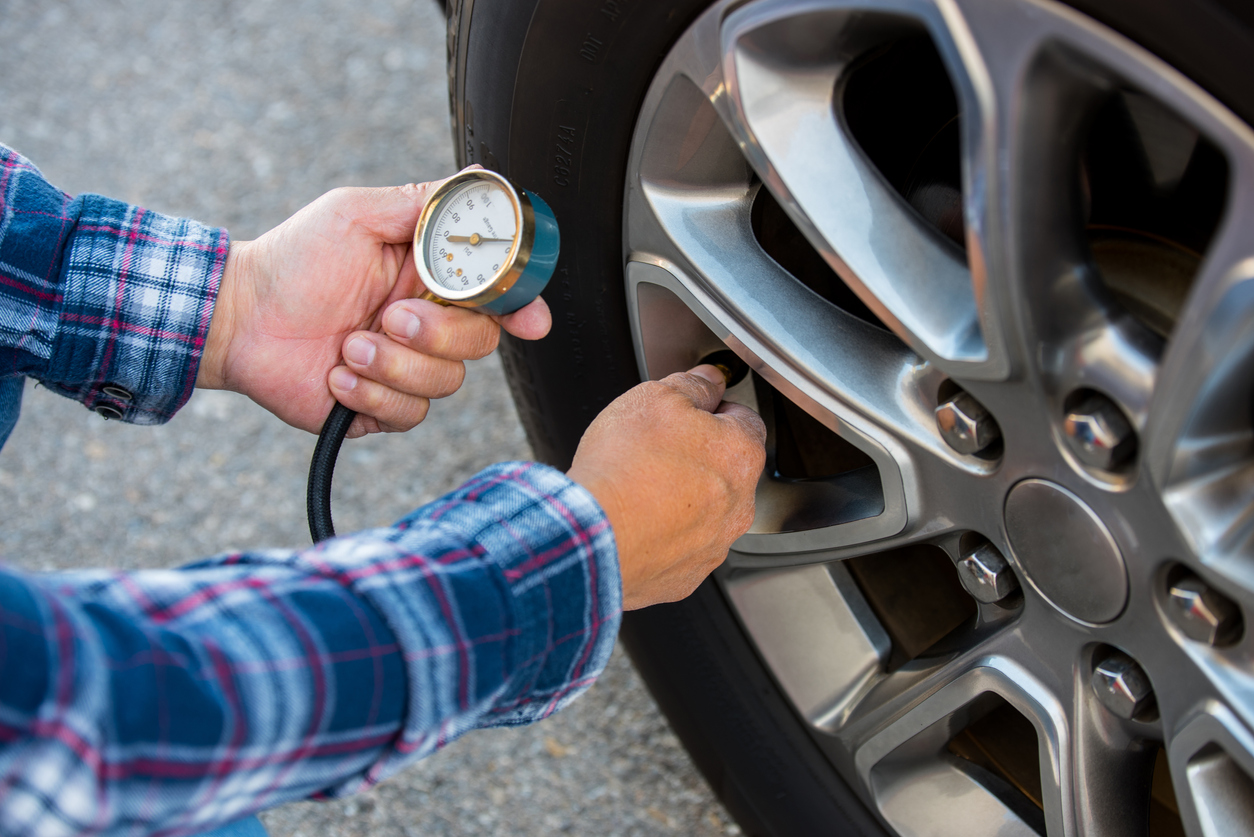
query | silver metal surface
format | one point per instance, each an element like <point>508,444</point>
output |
<point>681,330</point>
<point>783,609</point>
<point>1211,757</point>
<point>965,425</point>
<point>1121,686</point>
<point>986,575</point>
<point>1203,613</point>
<point>751,98</point>
<point>1099,434</point>
<point>1065,551</point>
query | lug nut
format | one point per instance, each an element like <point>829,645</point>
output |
<point>1099,433</point>
<point>986,575</point>
<point>1202,613</point>
<point>1122,686</point>
<point>965,425</point>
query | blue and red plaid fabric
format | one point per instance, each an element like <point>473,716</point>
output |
<point>170,702</point>
<point>95,292</point>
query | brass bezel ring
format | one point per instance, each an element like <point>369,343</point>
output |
<point>516,263</point>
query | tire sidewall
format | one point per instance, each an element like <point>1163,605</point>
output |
<point>547,91</point>
<point>582,74</point>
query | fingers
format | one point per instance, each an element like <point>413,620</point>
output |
<point>445,332</point>
<point>531,322</point>
<point>389,377</point>
<point>382,360</point>
<point>702,385</point>
<point>675,470</point>
<point>749,422</point>
<point>378,405</point>
<point>459,333</point>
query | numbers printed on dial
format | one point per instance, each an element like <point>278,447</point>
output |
<point>471,235</point>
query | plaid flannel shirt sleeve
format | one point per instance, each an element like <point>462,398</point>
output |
<point>100,300</point>
<point>169,702</point>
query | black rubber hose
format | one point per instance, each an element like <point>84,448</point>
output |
<point>322,468</point>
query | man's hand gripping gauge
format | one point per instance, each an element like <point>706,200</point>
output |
<point>481,242</point>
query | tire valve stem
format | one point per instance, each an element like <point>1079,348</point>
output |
<point>729,363</point>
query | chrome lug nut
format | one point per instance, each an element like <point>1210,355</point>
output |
<point>1122,686</point>
<point>986,575</point>
<point>1202,613</point>
<point>1099,433</point>
<point>965,425</point>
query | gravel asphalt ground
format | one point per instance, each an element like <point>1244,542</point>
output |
<point>237,113</point>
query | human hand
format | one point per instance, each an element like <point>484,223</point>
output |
<point>675,470</point>
<point>321,308</point>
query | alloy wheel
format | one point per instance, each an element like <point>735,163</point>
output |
<point>990,266</point>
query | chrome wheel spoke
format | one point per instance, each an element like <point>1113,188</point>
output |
<point>1211,765</point>
<point>1027,100</point>
<point>690,232</point>
<point>863,499</point>
<point>979,736</point>
<point>1110,782</point>
<point>1009,449</point>
<point>1199,439</point>
<point>998,732</point>
<point>782,67</point>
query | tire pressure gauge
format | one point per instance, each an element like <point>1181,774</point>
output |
<point>481,242</point>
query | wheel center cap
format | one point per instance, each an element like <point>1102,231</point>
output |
<point>1066,552</point>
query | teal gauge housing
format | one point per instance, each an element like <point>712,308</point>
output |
<point>484,243</point>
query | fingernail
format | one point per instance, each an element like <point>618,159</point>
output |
<point>709,372</point>
<point>360,351</point>
<point>402,323</point>
<point>343,379</point>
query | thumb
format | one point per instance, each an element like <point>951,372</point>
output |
<point>389,213</point>
<point>702,385</point>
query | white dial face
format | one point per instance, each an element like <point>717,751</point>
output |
<point>471,235</point>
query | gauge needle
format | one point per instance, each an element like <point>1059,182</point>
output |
<point>473,238</point>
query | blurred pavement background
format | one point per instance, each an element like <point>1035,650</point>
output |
<point>237,113</point>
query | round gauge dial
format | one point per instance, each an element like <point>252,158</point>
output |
<point>481,242</point>
<point>472,235</point>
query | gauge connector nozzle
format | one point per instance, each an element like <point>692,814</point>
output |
<point>729,363</point>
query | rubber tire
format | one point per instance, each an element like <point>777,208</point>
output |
<point>547,91</point>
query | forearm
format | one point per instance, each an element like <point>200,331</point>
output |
<point>512,581</point>
<point>305,672</point>
<point>102,301</point>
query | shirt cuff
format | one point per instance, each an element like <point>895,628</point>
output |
<point>139,289</point>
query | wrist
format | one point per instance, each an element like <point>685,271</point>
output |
<point>608,497</point>
<point>213,359</point>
